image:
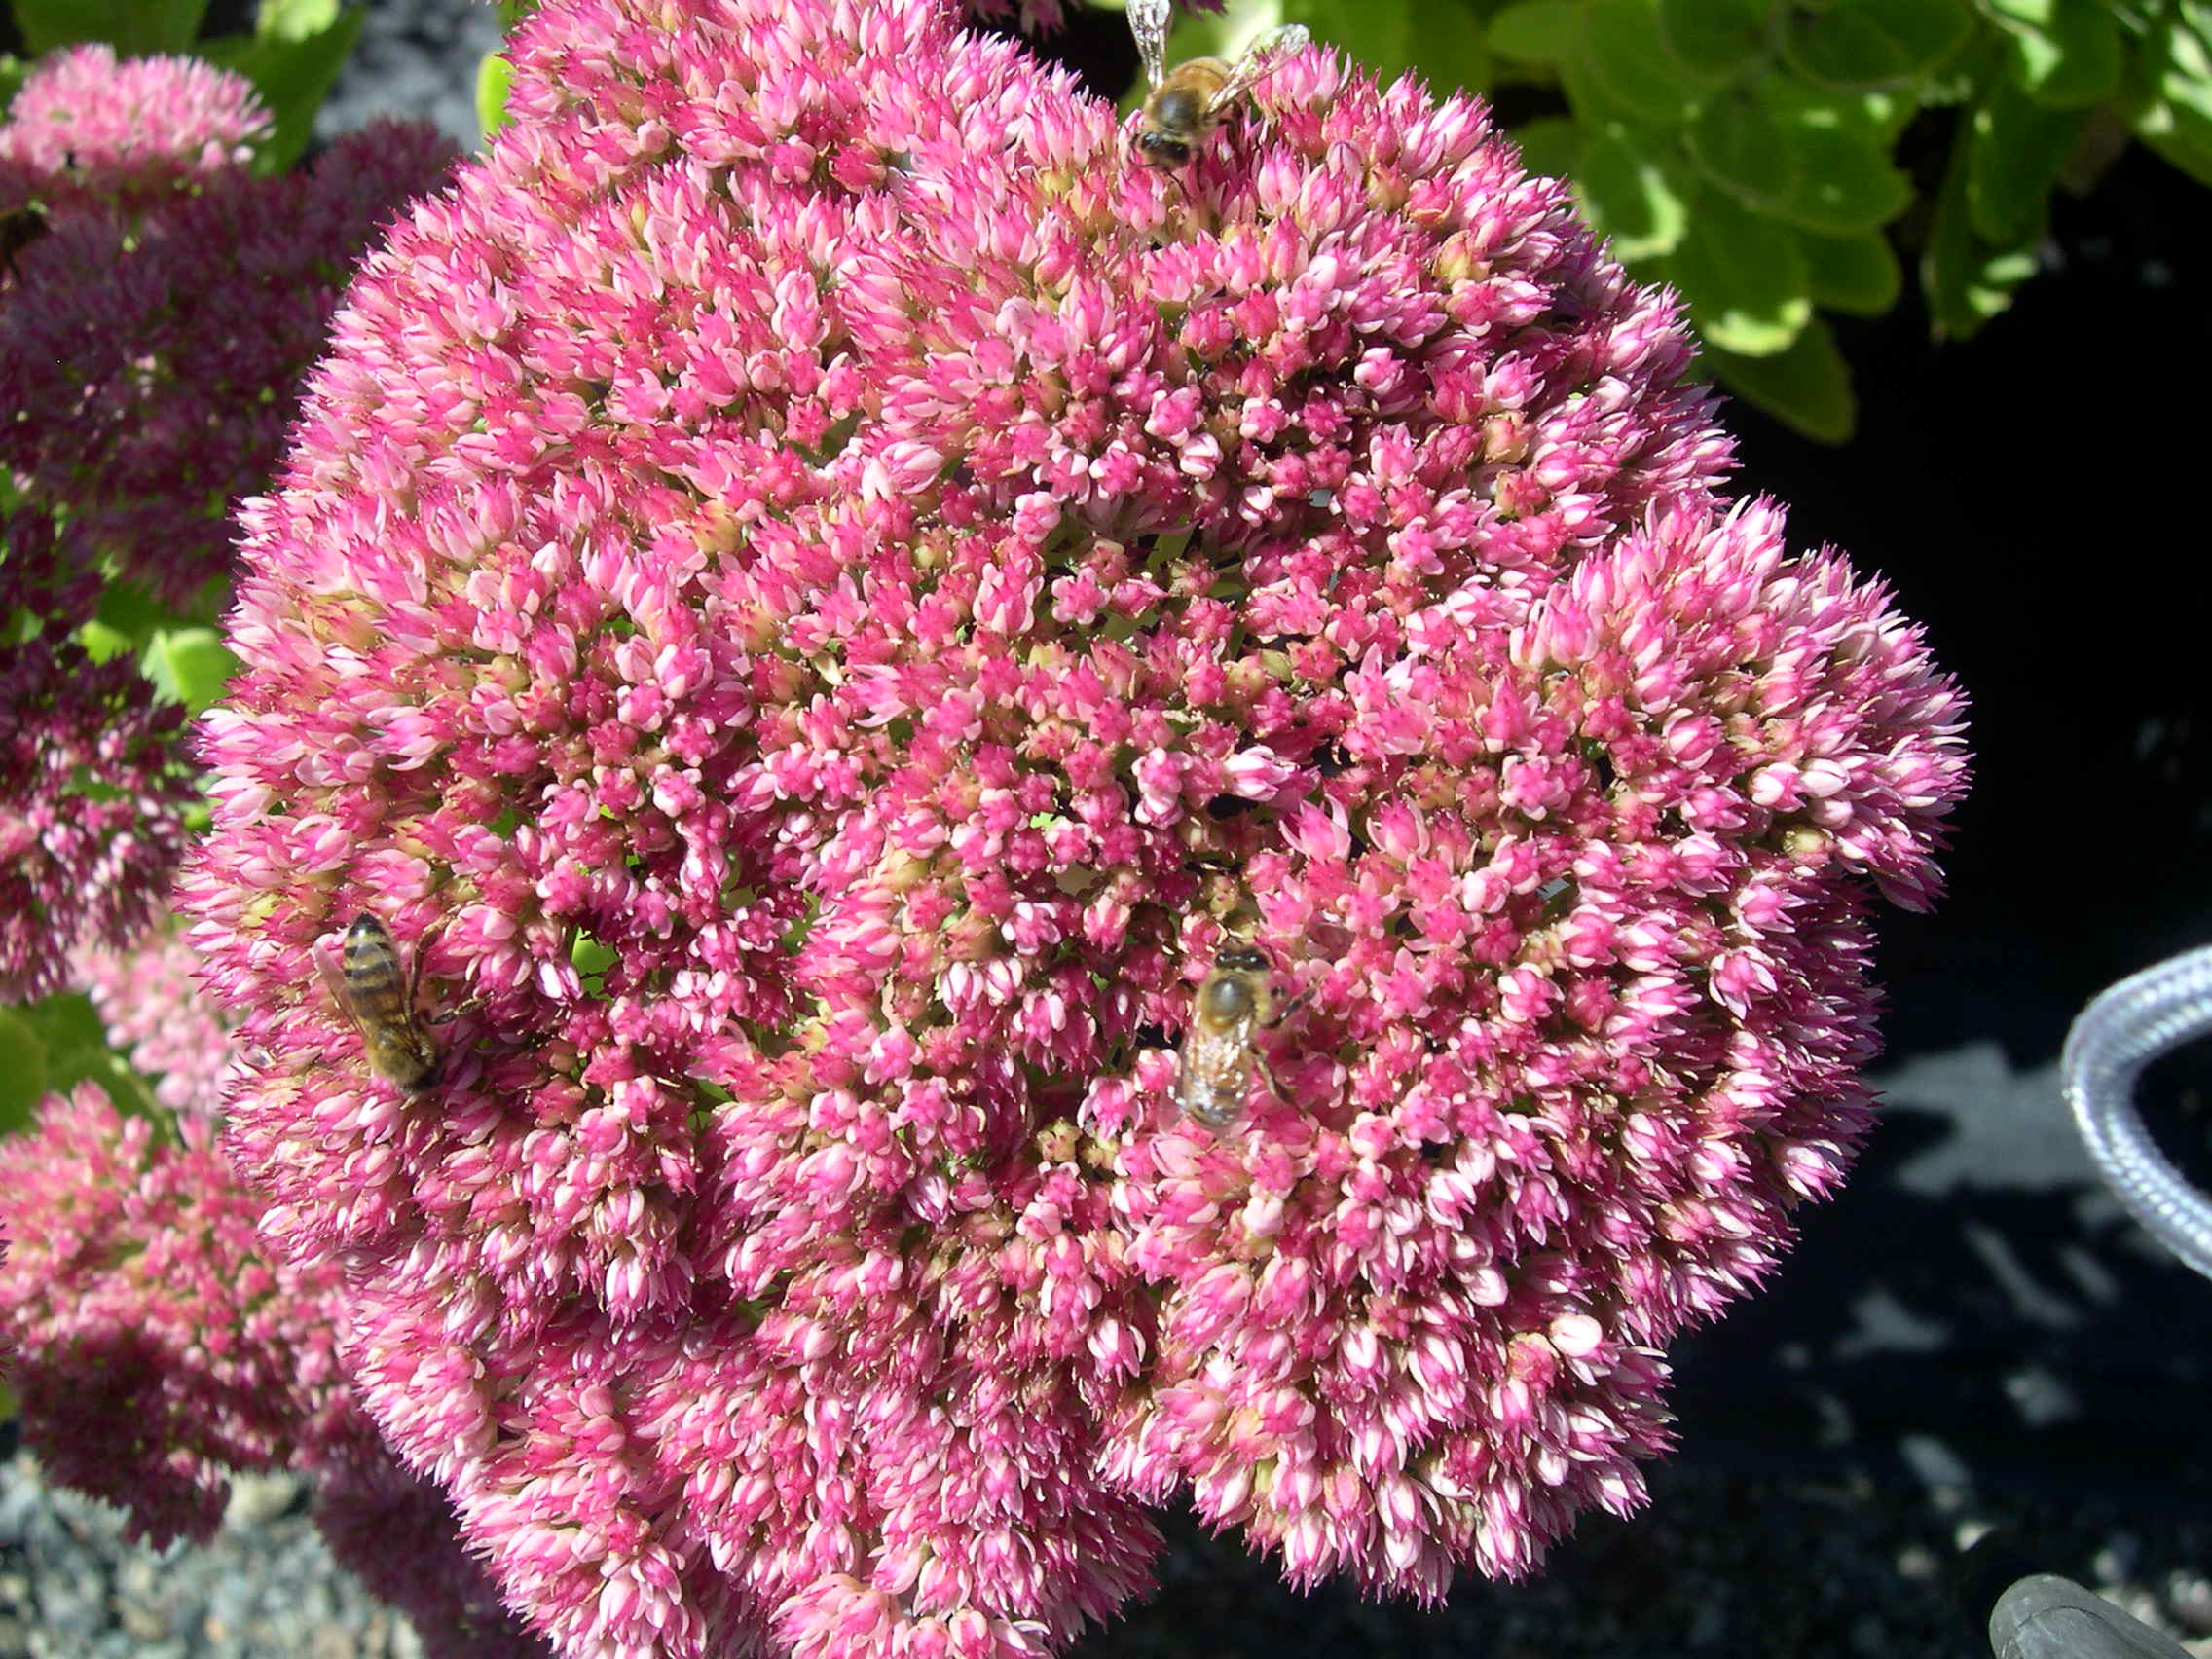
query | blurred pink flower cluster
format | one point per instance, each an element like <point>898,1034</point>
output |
<point>157,1350</point>
<point>86,130</point>
<point>158,1020</point>
<point>808,591</point>
<point>156,334</point>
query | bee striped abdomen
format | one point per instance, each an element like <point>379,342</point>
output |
<point>380,999</point>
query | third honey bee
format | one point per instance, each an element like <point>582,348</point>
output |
<point>379,999</point>
<point>1187,101</point>
<point>1220,1052</point>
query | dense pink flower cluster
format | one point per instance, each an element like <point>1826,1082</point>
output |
<point>159,1020</point>
<point>92,798</point>
<point>156,1349</point>
<point>810,590</point>
<point>158,358</point>
<point>85,130</point>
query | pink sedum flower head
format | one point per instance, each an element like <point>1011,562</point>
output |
<point>154,1350</point>
<point>811,596</point>
<point>89,131</point>
<point>157,364</point>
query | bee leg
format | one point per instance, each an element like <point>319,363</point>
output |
<point>1267,1073</point>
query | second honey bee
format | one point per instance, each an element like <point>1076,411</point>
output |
<point>1186,102</point>
<point>379,999</point>
<point>1220,1052</point>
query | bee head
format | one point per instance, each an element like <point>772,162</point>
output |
<point>1159,150</point>
<point>1241,956</point>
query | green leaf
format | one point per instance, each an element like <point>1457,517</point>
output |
<point>1537,31</point>
<point>2068,52</point>
<point>13,71</point>
<point>189,666</point>
<point>2176,118</point>
<point>1634,189</point>
<point>22,1072</point>
<point>590,956</point>
<point>1815,158</point>
<point>292,73</point>
<point>1723,40</point>
<point>1744,278</point>
<point>71,1047</point>
<point>1622,51</point>
<point>136,28</point>
<point>1442,41</point>
<point>132,612</point>
<point>1855,274</point>
<point>494,75</point>
<point>1853,44</point>
<point>1738,139</point>
<point>1552,144</point>
<point>1807,387</point>
<point>1967,281</point>
<point>2015,149</point>
<point>295,19</point>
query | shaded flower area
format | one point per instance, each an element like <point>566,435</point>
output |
<point>156,1350</point>
<point>92,798</point>
<point>811,596</point>
<point>153,339</point>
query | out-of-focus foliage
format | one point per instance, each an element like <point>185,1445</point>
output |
<point>1779,162</point>
<point>292,57</point>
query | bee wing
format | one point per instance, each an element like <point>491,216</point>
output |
<point>1258,59</point>
<point>1148,22</point>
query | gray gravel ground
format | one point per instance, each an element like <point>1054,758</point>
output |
<point>1791,1567</point>
<point>263,1588</point>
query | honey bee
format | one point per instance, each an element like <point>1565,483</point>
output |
<point>1233,1005</point>
<point>380,1002</point>
<point>1186,102</point>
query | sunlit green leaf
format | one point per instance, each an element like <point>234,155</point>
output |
<point>2068,52</point>
<point>133,27</point>
<point>1537,31</point>
<point>1857,274</point>
<point>295,19</point>
<point>1817,160</point>
<point>1743,277</point>
<point>189,666</point>
<point>493,77</point>
<point>2176,119</point>
<point>1967,279</point>
<point>1807,387</point>
<point>1634,189</point>
<point>1720,39</point>
<point>590,956</point>
<point>2015,151</point>
<point>1851,43</point>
